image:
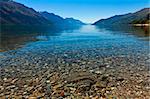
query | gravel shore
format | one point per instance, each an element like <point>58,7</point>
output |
<point>73,75</point>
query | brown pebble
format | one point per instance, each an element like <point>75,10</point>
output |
<point>62,93</point>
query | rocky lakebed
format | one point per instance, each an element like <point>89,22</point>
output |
<point>72,75</point>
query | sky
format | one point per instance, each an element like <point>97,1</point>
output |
<point>87,11</point>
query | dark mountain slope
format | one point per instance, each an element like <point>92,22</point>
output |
<point>15,13</point>
<point>141,16</point>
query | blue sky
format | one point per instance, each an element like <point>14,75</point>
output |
<point>86,10</point>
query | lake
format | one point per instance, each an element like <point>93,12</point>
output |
<point>88,36</point>
<point>99,62</point>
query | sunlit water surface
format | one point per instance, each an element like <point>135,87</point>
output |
<point>87,39</point>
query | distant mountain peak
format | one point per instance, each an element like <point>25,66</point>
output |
<point>59,21</point>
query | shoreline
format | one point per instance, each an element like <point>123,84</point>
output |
<point>138,25</point>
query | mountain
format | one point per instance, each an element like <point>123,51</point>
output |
<point>15,13</point>
<point>72,21</point>
<point>139,17</point>
<point>59,21</point>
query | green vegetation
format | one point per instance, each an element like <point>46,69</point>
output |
<point>140,22</point>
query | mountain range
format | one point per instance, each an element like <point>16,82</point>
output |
<point>13,13</point>
<point>139,17</point>
<point>59,21</point>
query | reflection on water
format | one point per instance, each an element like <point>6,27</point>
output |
<point>140,32</point>
<point>13,37</point>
